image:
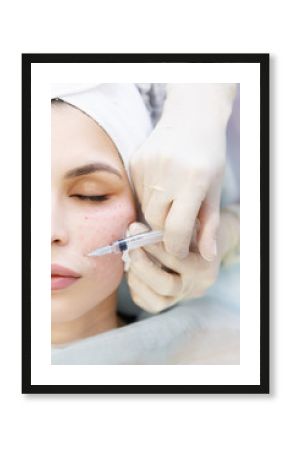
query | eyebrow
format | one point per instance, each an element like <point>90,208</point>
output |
<point>91,168</point>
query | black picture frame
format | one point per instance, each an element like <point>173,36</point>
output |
<point>263,61</point>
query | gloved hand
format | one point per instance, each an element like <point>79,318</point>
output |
<point>158,280</point>
<point>178,172</point>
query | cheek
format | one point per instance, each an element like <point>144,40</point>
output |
<point>104,225</point>
<point>100,228</point>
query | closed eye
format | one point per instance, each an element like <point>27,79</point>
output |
<point>91,198</point>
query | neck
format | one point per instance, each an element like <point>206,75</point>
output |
<point>101,318</point>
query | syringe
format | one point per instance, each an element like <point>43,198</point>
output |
<point>138,240</point>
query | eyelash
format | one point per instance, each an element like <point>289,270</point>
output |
<point>91,198</point>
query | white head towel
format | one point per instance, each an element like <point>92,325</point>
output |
<point>117,107</point>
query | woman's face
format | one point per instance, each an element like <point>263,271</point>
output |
<point>92,205</point>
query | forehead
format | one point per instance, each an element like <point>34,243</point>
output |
<point>77,137</point>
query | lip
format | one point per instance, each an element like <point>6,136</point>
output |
<point>62,277</point>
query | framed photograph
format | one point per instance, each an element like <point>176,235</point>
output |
<point>150,175</point>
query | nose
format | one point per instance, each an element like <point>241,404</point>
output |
<point>59,231</point>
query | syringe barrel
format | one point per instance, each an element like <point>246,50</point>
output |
<point>147,238</point>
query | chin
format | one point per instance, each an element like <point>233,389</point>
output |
<point>67,308</point>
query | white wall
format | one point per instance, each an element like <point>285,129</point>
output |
<point>61,422</point>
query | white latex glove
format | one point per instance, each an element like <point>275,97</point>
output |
<point>178,172</point>
<point>158,280</point>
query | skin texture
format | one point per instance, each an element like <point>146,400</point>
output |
<point>80,225</point>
